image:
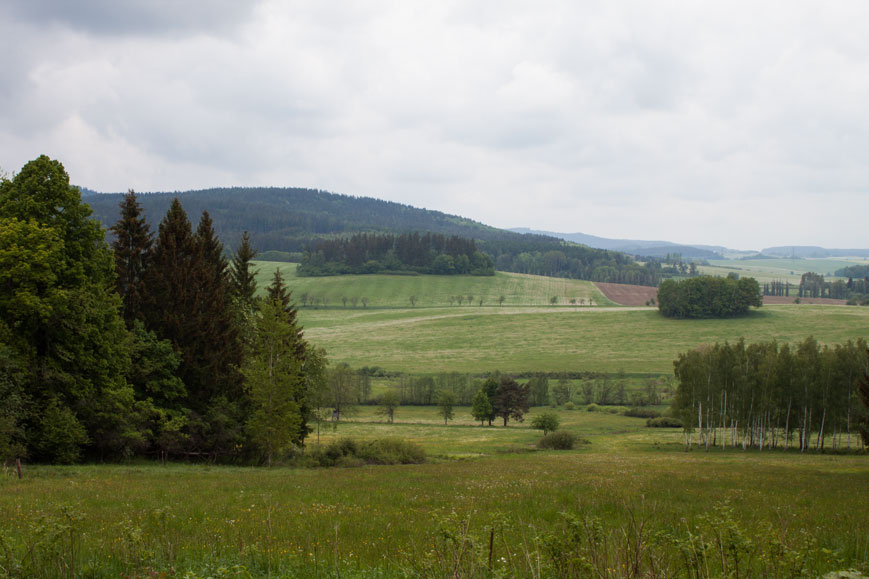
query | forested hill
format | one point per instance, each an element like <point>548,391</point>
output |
<point>291,219</point>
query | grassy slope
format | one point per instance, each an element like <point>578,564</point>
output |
<point>555,339</point>
<point>393,291</point>
<point>516,337</point>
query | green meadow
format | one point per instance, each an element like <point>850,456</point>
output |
<point>395,291</point>
<point>526,334</point>
<point>782,269</point>
<point>628,503</point>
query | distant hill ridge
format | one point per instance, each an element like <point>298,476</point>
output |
<point>289,220</point>
<point>634,246</point>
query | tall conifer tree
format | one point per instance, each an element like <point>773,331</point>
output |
<point>241,273</point>
<point>132,249</point>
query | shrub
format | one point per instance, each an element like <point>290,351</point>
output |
<point>642,413</point>
<point>392,451</point>
<point>664,422</point>
<point>559,440</point>
<point>350,452</point>
<point>569,405</point>
<point>592,408</point>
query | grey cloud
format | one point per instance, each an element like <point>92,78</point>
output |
<point>140,17</point>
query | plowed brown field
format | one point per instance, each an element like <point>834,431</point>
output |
<point>628,295</point>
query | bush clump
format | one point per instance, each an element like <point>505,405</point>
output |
<point>592,408</point>
<point>569,405</point>
<point>664,422</point>
<point>350,452</point>
<point>642,413</point>
<point>559,440</point>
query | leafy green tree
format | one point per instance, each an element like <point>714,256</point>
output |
<point>863,390</point>
<point>547,422</point>
<point>511,400</point>
<point>389,401</point>
<point>342,391</point>
<point>274,376</point>
<point>315,370</point>
<point>446,401</point>
<point>481,408</point>
<point>132,251</point>
<point>539,388</point>
<point>57,301</point>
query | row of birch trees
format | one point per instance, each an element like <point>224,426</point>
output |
<point>770,395</point>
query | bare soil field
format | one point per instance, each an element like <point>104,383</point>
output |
<point>782,300</point>
<point>628,295</point>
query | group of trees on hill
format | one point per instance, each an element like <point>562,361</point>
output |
<point>708,297</point>
<point>411,252</point>
<point>768,395</point>
<point>155,345</point>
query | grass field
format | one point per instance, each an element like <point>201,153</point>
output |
<point>630,503</point>
<point>526,334</point>
<point>479,340</point>
<point>766,270</point>
<point>394,291</point>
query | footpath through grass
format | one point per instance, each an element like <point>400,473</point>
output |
<point>630,503</point>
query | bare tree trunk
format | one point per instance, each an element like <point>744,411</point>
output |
<point>820,443</point>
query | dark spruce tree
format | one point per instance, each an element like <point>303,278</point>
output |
<point>242,275</point>
<point>132,249</point>
<point>187,302</point>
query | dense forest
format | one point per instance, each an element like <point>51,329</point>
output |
<point>708,297</point>
<point>769,395</point>
<point>410,252</point>
<point>284,223</point>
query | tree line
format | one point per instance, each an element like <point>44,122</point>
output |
<point>770,395</point>
<point>155,345</point>
<point>365,253</point>
<point>708,297</point>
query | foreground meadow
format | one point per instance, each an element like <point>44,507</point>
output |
<point>629,503</point>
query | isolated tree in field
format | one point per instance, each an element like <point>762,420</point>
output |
<point>553,300</point>
<point>446,401</point>
<point>274,376</point>
<point>460,299</point>
<point>132,251</point>
<point>413,301</point>
<point>511,400</point>
<point>452,299</point>
<point>364,302</point>
<point>388,403</point>
<point>481,408</point>
<point>501,299</point>
<point>470,299</point>
<point>547,422</point>
<point>344,300</point>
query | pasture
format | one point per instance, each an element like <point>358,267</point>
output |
<point>781,269</point>
<point>630,502</point>
<point>480,340</point>
<point>394,291</point>
<point>525,334</point>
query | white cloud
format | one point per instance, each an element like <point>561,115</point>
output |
<point>696,122</point>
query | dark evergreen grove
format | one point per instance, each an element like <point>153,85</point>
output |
<point>771,395</point>
<point>411,252</point>
<point>150,349</point>
<point>708,297</point>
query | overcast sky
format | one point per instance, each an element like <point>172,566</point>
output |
<point>744,124</point>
